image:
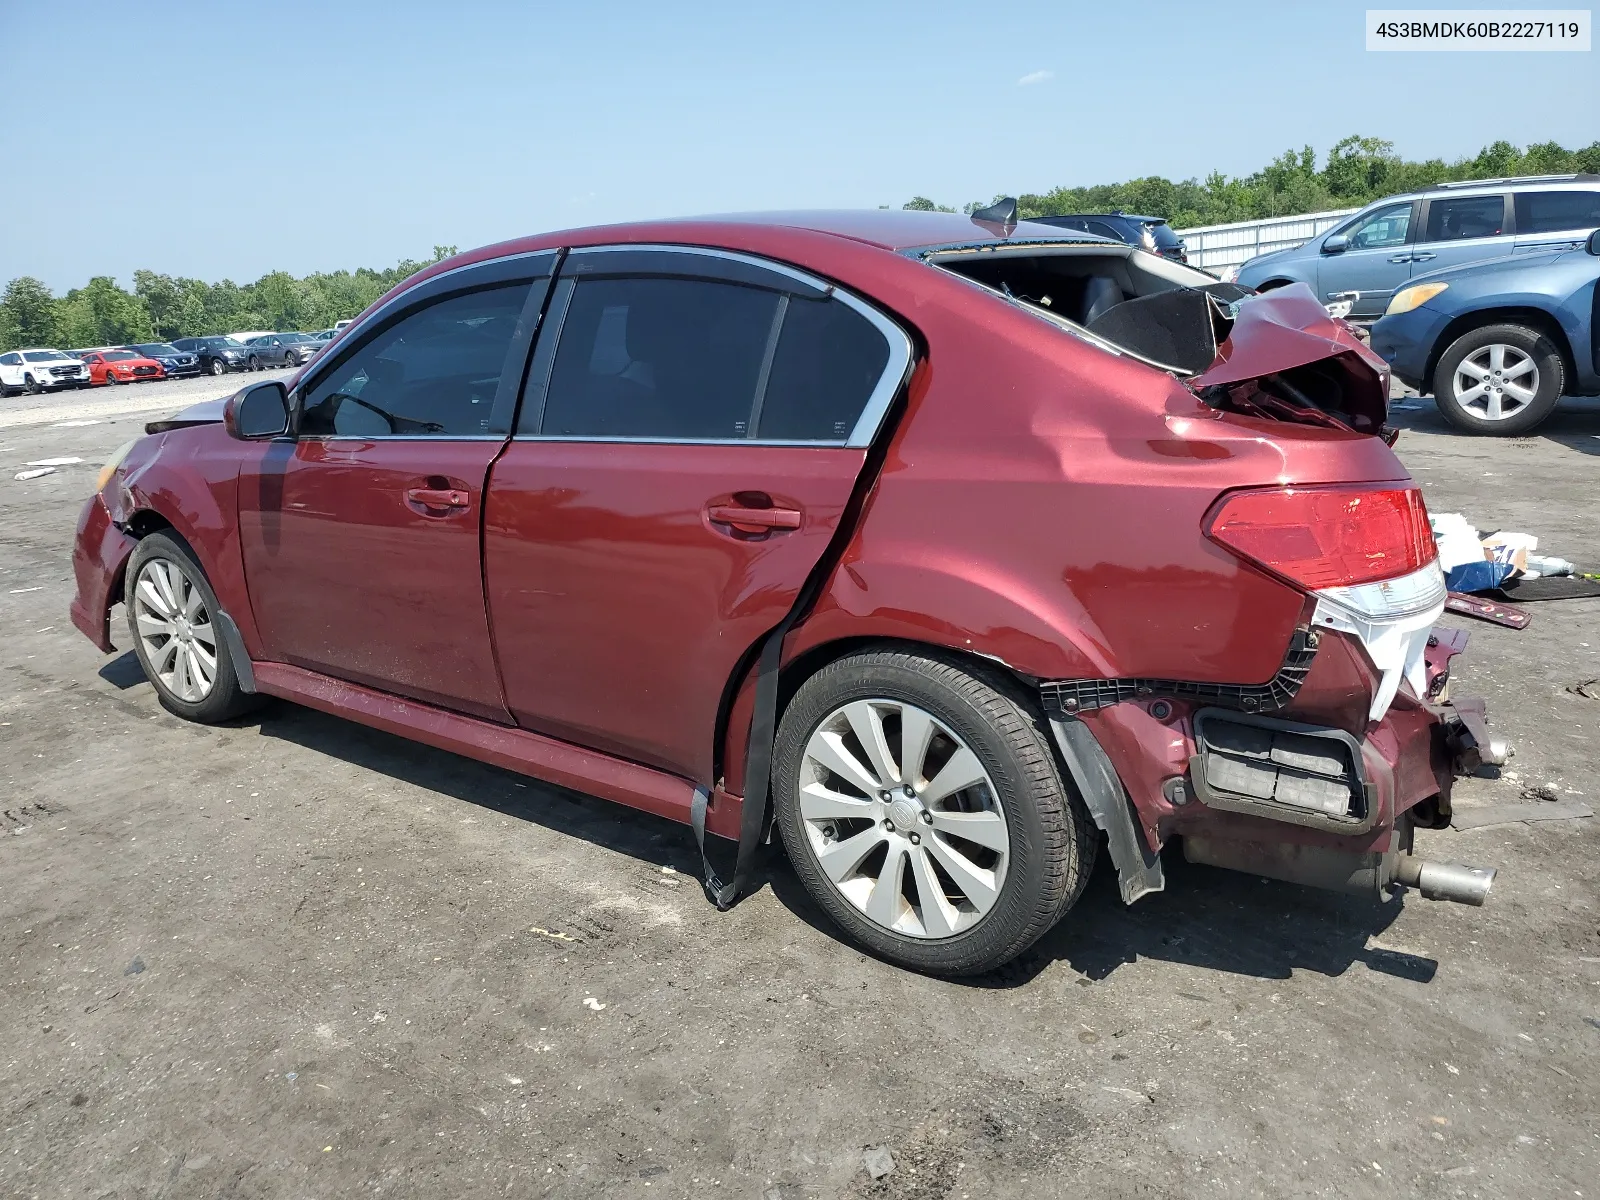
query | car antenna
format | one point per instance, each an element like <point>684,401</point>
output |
<point>1002,212</point>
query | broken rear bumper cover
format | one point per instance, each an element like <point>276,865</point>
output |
<point>99,557</point>
<point>1294,779</point>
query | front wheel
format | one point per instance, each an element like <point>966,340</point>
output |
<point>33,385</point>
<point>172,616</point>
<point>1501,379</point>
<point>255,363</point>
<point>218,367</point>
<point>922,809</point>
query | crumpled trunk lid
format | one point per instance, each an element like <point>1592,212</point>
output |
<point>1284,357</point>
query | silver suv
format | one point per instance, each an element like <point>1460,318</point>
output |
<point>1375,252</point>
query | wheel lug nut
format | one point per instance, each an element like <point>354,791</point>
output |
<point>915,840</point>
<point>927,817</point>
<point>911,792</point>
<point>888,826</point>
<point>885,797</point>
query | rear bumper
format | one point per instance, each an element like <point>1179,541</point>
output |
<point>99,557</point>
<point>1400,769</point>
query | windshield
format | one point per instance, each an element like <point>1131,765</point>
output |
<point>119,355</point>
<point>155,348</point>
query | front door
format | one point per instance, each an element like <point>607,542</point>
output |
<point>361,537</point>
<point>686,452</point>
<point>1375,263</point>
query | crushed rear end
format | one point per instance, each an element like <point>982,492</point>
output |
<point>1319,771</point>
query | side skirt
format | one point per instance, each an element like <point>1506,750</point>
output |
<point>517,750</point>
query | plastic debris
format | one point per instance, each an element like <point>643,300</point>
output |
<point>592,1004</point>
<point>878,1161</point>
<point>73,424</point>
<point>36,472</point>
<point>53,462</point>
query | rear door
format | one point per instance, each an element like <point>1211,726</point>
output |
<point>361,536</point>
<point>1463,229</point>
<point>1555,219</point>
<point>1375,263</point>
<point>693,428</point>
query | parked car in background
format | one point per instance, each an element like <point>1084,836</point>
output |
<point>1107,579</point>
<point>217,354</point>
<point>1499,343</point>
<point>175,363</point>
<point>280,350</point>
<point>40,369</point>
<point>121,366</point>
<point>1148,233</point>
<point>323,335</point>
<point>1376,252</point>
<point>245,336</point>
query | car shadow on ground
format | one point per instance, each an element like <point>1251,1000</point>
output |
<point>1214,919</point>
<point>1575,424</point>
<point>1218,920</point>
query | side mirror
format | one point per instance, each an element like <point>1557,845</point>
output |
<point>1594,243</point>
<point>258,412</point>
<point>1337,244</point>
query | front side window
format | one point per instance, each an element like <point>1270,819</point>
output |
<point>1466,217</point>
<point>432,373</point>
<point>1387,227</point>
<point>1553,212</point>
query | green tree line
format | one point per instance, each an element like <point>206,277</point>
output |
<point>162,307</point>
<point>1356,171</point>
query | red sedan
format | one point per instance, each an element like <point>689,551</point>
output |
<point>121,366</point>
<point>971,544</point>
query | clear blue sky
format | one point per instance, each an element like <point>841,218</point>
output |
<point>222,139</point>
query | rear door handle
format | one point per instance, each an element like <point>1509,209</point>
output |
<point>754,520</point>
<point>439,498</point>
<point>1401,258</point>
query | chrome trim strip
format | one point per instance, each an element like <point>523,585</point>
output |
<point>836,444</point>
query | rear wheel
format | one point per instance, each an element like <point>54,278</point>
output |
<point>922,809</point>
<point>1501,379</point>
<point>172,616</point>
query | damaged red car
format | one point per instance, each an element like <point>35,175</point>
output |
<point>974,545</point>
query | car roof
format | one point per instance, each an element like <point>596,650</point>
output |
<point>1470,187</point>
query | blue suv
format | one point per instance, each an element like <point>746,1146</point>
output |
<point>1376,252</point>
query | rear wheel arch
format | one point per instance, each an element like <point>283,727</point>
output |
<point>1534,318</point>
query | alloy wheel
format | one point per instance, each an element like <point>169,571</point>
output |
<point>1496,382</point>
<point>218,367</point>
<point>174,626</point>
<point>33,385</point>
<point>903,818</point>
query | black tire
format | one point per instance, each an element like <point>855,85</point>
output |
<point>225,700</point>
<point>111,379</point>
<point>1052,843</point>
<point>1535,345</point>
<point>35,388</point>
<point>255,363</point>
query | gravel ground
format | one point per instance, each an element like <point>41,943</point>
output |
<point>294,958</point>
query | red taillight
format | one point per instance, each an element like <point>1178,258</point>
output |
<point>1320,537</point>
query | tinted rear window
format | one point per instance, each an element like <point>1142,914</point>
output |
<point>1465,217</point>
<point>1551,212</point>
<point>658,358</point>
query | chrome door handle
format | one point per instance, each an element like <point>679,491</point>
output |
<point>1400,258</point>
<point>1422,257</point>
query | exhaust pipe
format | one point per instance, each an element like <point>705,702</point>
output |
<point>1444,881</point>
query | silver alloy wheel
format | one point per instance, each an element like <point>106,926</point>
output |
<point>903,818</point>
<point>1496,382</point>
<point>180,643</point>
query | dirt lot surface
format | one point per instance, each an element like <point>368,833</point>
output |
<point>294,958</point>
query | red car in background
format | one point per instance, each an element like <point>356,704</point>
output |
<point>971,543</point>
<point>121,366</point>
